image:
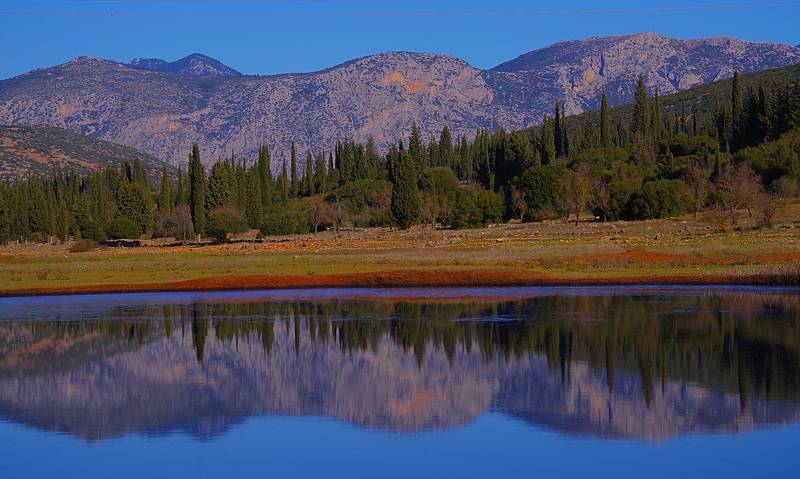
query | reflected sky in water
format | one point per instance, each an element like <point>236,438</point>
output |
<point>364,383</point>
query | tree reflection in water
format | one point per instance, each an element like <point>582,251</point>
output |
<point>641,366</point>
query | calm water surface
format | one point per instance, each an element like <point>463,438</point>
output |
<point>525,382</point>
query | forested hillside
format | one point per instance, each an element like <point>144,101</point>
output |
<point>27,150</point>
<point>719,151</point>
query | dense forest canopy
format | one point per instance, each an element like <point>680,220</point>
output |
<point>644,162</point>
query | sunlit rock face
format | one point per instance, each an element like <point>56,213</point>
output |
<point>161,108</point>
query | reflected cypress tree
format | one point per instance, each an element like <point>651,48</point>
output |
<point>199,333</point>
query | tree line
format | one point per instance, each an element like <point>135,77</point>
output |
<point>743,156</point>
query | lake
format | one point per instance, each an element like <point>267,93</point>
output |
<point>511,382</point>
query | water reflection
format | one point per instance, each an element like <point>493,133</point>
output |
<point>650,365</point>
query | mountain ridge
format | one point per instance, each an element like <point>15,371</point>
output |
<point>163,112</point>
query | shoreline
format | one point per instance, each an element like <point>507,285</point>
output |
<point>408,279</point>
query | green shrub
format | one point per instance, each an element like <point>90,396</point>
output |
<point>659,199</point>
<point>123,228</point>
<point>223,220</point>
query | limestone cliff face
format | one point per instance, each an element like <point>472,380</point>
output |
<point>162,108</point>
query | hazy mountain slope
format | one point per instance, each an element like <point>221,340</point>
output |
<point>577,72</point>
<point>28,150</point>
<point>162,108</point>
<point>194,64</point>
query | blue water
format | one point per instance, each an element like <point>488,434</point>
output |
<point>527,382</point>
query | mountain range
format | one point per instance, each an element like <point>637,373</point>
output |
<point>162,108</point>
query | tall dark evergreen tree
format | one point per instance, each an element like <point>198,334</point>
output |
<point>197,191</point>
<point>641,110</point>
<point>264,174</point>
<point>166,199</point>
<point>405,193</point>
<point>308,178</point>
<point>605,122</point>
<point>294,186</point>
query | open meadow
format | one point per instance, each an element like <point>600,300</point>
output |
<point>677,250</point>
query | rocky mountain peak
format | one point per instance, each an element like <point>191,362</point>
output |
<point>162,108</point>
<point>195,64</point>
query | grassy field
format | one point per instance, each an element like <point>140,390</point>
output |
<point>659,251</point>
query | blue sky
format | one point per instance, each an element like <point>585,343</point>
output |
<point>275,36</point>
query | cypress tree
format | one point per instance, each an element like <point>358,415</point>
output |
<point>264,173</point>
<point>641,111</point>
<point>319,173</point>
<point>445,148</point>
<point>737,96</point>
<point>589,139</point>
<point>405,193</point>
<point>254,208</point>
<point>197,191</point>
<point>294,185</point>
<point>308,179</point>
<point>166,200</point>
<point>284,183</point>
<point>655,127</point>
<point>548,142</point>
<point>416,149</point>
<point>557,131</point>
<point>605,123</point>
<point>181,196</point>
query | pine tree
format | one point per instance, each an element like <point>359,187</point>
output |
<point>197,191</point>
<point>219,190</point>
<point>605,123</point>
<point>589,139</point>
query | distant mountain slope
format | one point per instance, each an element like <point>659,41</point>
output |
<point>28,150</point>
<point>162,108</point>
<point>194,64</point>
<point>702,99</point>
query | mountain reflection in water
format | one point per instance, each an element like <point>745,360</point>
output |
<point>649,365</point>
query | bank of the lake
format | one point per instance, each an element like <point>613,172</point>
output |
<point>674,251</point>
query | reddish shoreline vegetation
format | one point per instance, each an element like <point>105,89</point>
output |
<point>550,253</point>
<point>412,278</point>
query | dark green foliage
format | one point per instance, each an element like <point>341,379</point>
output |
<point>223,220</point>
<point>123,228</point>
<point>659,199</point>
<point>197,190</point>
<point>405,193</point>
<point>541,186</point>
<point>294,185</point>
<point>134,203</point>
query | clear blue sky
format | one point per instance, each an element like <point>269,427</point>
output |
<point>275,36</point>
